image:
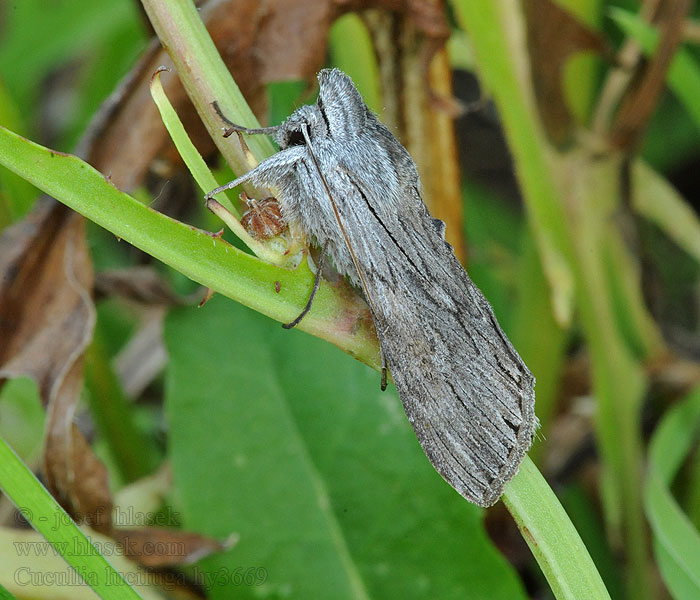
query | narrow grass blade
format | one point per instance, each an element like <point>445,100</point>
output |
<point>676,540</point>
<point>51,521</point>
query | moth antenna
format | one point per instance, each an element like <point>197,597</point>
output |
<point>307,139</point>
<point>233,127</point>
<point>317,283</point>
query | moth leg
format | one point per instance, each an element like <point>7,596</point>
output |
<point>250,131</point>
<point>233,127</point>
<point>229,186</point>
<point>382,385</point>
<point>317,283</point>
<point>268,172</point>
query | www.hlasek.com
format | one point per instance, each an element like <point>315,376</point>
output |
<point>79,546</point>
<point>240,576</point>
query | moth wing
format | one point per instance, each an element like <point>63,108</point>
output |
<point>464,388</point>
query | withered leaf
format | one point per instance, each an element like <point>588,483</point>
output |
<point>643,95</point>
<point>553,35</point>
<point>280,40</point>
<point>161,547</point>
<point>140,284</point>
<point>46,315</point>
<point>46,321</point>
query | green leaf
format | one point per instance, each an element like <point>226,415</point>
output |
<point>352,52</point>
<point>50,520</point>
<point>657,201</point>
<point>281,439</point>
<point>5,595</point>
<point>676,541</point>
<point>22,417</point>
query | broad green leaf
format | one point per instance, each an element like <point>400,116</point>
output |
<point>282,439</point>
<point>676,540</point>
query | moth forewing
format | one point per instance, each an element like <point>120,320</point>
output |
<point>367,291</point>
<point>355,190</point>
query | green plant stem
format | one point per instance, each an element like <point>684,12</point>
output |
<point>133,453</point>
<point>552,538</point>
<point>51,521</point>
<point>338,315</point>
<point>201,173</point>
<point>170,35</point>
<point>205,77</point>
<point>570,227</point>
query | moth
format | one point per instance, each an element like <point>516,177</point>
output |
<point>344,178</point>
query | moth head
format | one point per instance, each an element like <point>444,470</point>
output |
<point>291,134</point>
<point>340,104</point>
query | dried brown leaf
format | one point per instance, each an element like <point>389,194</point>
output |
<point>74,474</point>
<point>157,547</point>
<point>140,284</point>
<point>46,321</point>
<point>46,315</point>
<point>650,79</point>
<point>279,40</point>
<point>553,36</point>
